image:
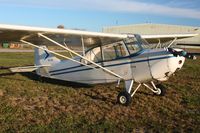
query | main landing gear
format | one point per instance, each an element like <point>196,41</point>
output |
<point>125,97</point>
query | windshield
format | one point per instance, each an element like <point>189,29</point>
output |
<point>133,44</point>
<point>136,44</point>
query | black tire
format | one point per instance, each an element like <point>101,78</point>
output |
<point>124,98</point>
<point>162,89</point>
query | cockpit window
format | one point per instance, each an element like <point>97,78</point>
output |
<point>109,52</point>
<point>133,45</point>
<point>94,55</point>
<point>113,51</point>
<point>116,50</point>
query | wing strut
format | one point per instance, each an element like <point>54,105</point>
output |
<point>83,45</point>
<point>56,53</point>
<point>159,44</point>
<point>97,65</point>
<point>67,46</point>
<point>172,42</point>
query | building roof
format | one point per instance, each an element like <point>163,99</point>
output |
<point>151,28</point>
<point>157,29</point>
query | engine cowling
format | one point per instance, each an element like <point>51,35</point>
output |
<point>162,69</point>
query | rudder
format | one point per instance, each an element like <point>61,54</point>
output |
<point>44,58</point>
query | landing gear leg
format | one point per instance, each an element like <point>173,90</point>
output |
<point>157,89</point>
<point>125,97</point>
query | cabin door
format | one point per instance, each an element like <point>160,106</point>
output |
<point>115,58</point>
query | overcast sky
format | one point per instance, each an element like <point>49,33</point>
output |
<point>95,14</point>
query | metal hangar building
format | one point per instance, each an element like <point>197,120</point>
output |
<point>160,29</point>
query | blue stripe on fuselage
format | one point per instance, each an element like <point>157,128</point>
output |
<point>130,56</point>
<point>113,65</point>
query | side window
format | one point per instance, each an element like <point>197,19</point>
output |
<point>113,51</point>
<point>94,55</point>
<point>133,48</point>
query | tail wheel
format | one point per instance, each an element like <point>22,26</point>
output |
<point>161,90</point>
<point>124,98</point>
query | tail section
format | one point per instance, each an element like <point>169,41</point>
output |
<point>44,58</point>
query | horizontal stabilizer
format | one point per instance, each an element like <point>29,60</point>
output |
<point>26,69</point>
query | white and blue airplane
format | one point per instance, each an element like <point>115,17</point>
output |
<point>105,58</point>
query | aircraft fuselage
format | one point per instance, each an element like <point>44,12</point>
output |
<point>147,65</point>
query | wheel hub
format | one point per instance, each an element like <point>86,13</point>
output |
<point>123,99</point>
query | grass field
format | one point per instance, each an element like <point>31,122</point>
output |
<point>30,104</point>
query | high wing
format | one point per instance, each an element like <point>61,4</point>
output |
<point>13,33</point>
<point>165,38</point>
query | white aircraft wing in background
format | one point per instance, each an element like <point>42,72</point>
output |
<point>166,38</point>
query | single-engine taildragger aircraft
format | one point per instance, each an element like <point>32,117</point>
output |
<point>106,57</point>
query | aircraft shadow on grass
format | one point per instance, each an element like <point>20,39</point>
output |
<point>35,77</point>
<point>95,95</point>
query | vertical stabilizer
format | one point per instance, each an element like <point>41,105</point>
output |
<point>43,57</point>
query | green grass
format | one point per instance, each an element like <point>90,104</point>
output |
<point>28,105</point>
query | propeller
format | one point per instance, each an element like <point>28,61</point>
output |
<point>182,53</point>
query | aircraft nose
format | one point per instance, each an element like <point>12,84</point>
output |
<point>164,68</point>
<point>176,63</point>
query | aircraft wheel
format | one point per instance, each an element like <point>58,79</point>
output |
<point>124,98</point>
<point>161,90</point>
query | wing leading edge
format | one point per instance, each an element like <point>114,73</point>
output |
<point>13,33</point>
